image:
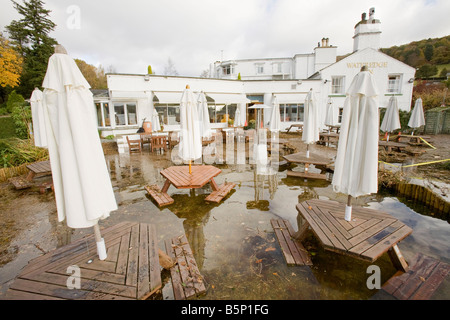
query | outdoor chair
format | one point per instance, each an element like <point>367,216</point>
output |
<point>159,143</point>
<point>134,143</point>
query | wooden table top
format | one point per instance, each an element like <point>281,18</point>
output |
<point>300,157</point>
<point>370,233</point>
<point>40,167</point>
<point>179,175</point>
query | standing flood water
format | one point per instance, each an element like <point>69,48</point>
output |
<point>233,242</point>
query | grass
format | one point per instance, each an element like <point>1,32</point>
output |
<point>7,128</point>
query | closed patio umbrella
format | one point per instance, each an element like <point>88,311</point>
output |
<point>311,121</point>
<point>203,116</point>
<point>238,118</point>
<point>417,118</point>
<point>391,120</point>
<point>82,185</point>
<point>156,126</point>
<point>190,147</point>
<point>275,121</point>
<point>37,115</point>
<point>356,165</point>
<point>330,118</point>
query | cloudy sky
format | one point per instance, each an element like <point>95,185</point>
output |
<point>130,35</point>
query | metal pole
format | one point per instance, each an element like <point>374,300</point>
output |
<point>101,249</point>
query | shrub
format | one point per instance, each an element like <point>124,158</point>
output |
<point>14,99</point>
<point>14,152</point>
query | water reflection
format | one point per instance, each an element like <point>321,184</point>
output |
<point>234,244</point>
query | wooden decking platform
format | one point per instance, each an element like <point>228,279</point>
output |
<point>425,275</point>
<point>367,236</point>
<point>293,251</point>
<point>162,198</point>
<point>130,271</point>
<point>187,282</point>
<point>220,193</point>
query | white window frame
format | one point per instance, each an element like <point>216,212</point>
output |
<point>259,68</point>
<point>125,114</point>
<point>338,85</point>
<point>228,70</point>
<point>394,83</point>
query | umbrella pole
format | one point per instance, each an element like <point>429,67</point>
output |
<point>101,249</point>
<point>190,167</point>
<point>348,209</point>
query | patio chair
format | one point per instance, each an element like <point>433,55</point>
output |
<point>134,143</point>
<point>159,143</point>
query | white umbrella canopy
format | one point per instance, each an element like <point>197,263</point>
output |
<point>391,120</point>
<point>37,115</point>
<point>156,126</point>
<point>330,118</point>
<point>190,146</point>
<point>356,165</point>
<point>82,185</point>
<point>417,118</point>
<point>275,121</point>
<point>203,116</point>
<point>311,120</point>
<point>238,118</point>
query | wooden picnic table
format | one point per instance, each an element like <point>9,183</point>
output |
<point>41,168</point>
<point>335,127</point>
<point>300,157</point>
<point>412,139</point>
<point>389,145</point>
<point>180,178</point>
<point>327,136</point>
<point>367,236</point>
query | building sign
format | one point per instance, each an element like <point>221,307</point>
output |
<point>358,65</point>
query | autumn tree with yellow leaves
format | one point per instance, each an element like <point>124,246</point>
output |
<point>10,64</point>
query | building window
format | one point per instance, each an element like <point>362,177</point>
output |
<point>259,68</point>
<point>277,67</point>
<point>341,112</point>
<point>168,113</point>
<point>221,113</point>
<point>125,113</point>
<point>291,112</point>
<point>393,83</point>
<point>337,85</point>
<point>227,70</point>
<point>103,118</point>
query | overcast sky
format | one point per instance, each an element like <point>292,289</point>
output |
<point>130,35</point>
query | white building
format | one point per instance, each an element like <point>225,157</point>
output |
<point>131,98</point>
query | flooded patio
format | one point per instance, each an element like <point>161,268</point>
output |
<point>233,242</point>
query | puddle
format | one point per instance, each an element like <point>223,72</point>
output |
<point>233,242</point>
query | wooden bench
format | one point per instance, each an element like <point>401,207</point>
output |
<point>296,125</point>
<point>293,251</point>
<point>20,182</point>
<point>187,282</point>
<point>425,275</point>
<point>220,193</point>
<point>40,168</point>
<point>162,198</point>
<point>306,175</point>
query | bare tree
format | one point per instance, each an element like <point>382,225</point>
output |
<point>169,69</point>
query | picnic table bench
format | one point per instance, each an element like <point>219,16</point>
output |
<point>412,139</point>
<point>367,236</point>
<point>180,178</point>
<point>296,125</point>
